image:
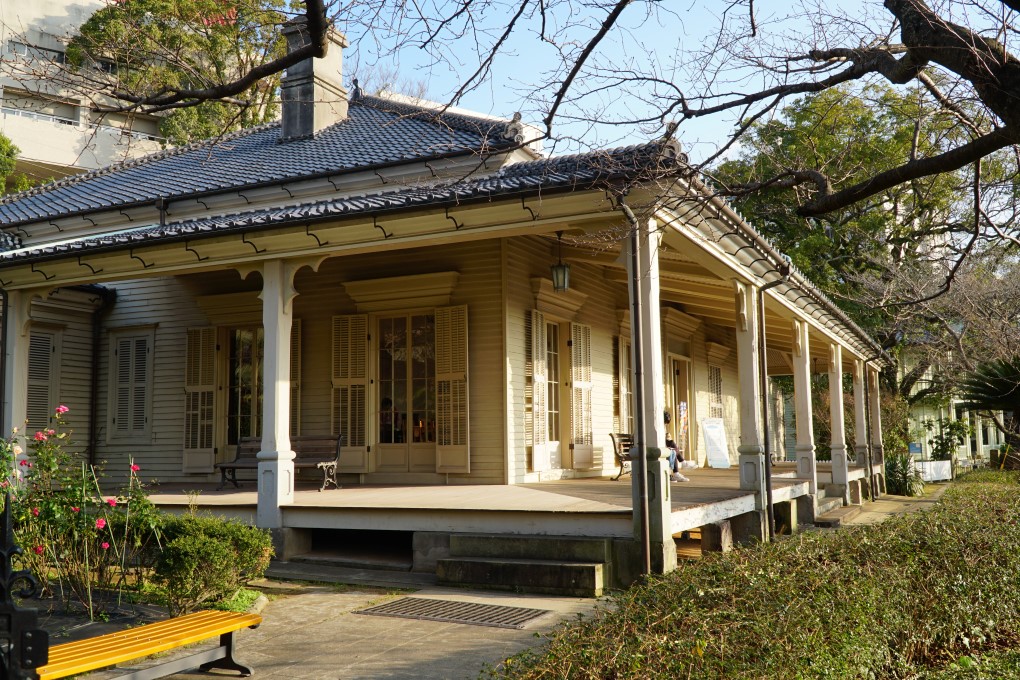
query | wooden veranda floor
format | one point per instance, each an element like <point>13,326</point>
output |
<point>591,506</point>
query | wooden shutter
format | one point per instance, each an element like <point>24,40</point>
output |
<point>131,357</point>
<point>349,411</point>
<point>540,395</point>
<point>295,378</point>
<point>199,399</point>
<point>582,451</point>
<point>623,384</point>
<point>41,393</point>
<point>452,445</point>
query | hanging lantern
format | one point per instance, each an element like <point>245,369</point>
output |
<point>560,271</point>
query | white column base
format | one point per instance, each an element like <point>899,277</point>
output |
<point>840,473</point>
<point>807,467</point>
<point>275,488</point>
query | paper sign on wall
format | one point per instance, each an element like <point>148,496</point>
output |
<point>715,442</point>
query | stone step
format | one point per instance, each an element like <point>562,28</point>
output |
<point>547,577</point>
<point>825,505</point>
<point>354,560</point>
<point>835,518</point>
<point>557,548</point>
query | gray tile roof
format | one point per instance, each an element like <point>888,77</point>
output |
<point>377,132</point>
<point>562,173</point>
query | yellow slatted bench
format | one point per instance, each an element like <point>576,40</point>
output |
<point>73,658</point>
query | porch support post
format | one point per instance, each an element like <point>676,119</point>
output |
<point>979,436</point>
<point>963,450</point>
<point>660,521</point>
<point>16,364</point>
<point>807,468</point>
<point>840,473</point>
<point>276,459</point>
<point>751,450</point>
<point>877,449</point>
<point>860,419</point>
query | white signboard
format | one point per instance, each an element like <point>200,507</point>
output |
<point>714,433</point>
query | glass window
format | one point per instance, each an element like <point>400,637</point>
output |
<point>407,379</point>
<point>244,407</point>
<point>552,359</point>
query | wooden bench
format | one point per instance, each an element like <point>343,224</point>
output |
<point>73,658</point>
<point>313,451</point>
<point>622,444</point>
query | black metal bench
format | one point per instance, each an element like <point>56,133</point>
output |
<point>312,451</point>
<point>622,444</point>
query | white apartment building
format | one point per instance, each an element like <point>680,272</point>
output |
<point>58,129</point>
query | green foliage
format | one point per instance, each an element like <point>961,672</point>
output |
<point>850,133</point>
<point>148,46</point>
<point>901,477</point>
<point>945,436</point>
<point>207,558</point>
<point>883,601</point>
<point>993,386</point>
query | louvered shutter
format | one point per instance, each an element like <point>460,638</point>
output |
<point>41,378</point>
<point>131,357</point>
<point>540,396</point>
<point>582,451</point>
<point>295,378</point>
<point>452,445</point>
<point>350,391</point>
<point>623,389</point>
<point>199,399</point>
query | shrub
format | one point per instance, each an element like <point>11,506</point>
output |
<point>883,601</point>
<point>192,569</point>
<point>901,477</point>
<point>237,554</point>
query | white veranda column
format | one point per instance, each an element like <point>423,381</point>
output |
<point>860,418</point>
<point>877,449</point>
<point>751,449</point>
<point>276,459</point>
<point>807,468</point>
<point>979,436</point>
<point>16,364</point>
<point>663,549</point>
<point>840,473</point>
<point>963,450</point>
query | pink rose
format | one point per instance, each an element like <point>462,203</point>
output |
<point>135,468</point>
<point>40,436</point>
<point>51,432</point>
<point>75,509</point>
<point>38,550</point>
<point>104,545</point>
<point>23,462</point>
<point>111,502</point>
<point>100,523</point>
<point>61,410</point>
<point>35,512</point>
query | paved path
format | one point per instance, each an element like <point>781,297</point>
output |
<point>311,631</point>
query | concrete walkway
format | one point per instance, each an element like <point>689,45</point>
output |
<point>311,630</point>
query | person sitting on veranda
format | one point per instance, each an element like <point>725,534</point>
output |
<point>675,457</point>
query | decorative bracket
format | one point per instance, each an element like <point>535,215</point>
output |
<point>145,265</point>
<point>244,239</point>
<point>90,267</point>
<point>187,247</point>
<point>456,224</point>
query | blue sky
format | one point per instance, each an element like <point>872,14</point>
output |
<point>663,33</point>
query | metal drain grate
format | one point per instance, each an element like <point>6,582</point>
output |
<point>448,611</point>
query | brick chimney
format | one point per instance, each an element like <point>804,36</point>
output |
<point>311,91</point>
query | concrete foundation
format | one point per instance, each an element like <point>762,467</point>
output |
<point>717,537</point>
<point>428,547</point>
<point>806,508</point>
<point>749,528</point>
<point>288,542</point>
<point>786,517</point>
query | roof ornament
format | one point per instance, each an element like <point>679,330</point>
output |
<point>356,93</point>
<point>670,148</point>
<point>515,129</point>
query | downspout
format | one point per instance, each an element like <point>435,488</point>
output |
<point>107,298</point>
<point>3,355</point>
<point>784,272</point>
<point>641,461</point>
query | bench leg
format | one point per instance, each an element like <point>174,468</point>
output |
<point>227,662</point>
<point>328,475</point>
<point>228,475</point>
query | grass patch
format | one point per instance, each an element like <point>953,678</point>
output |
<point>242,601</point>
<point>915,593</point>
